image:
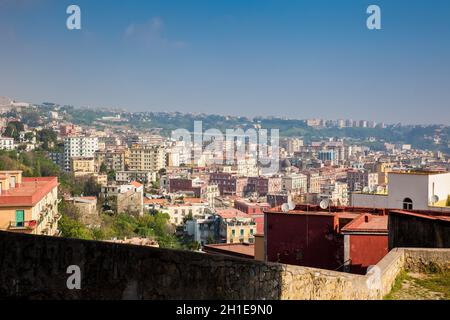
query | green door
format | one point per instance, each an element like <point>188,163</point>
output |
<point>20,218</point>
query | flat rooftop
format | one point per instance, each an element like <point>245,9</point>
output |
<point>245,250</point>
<point>368,223</point>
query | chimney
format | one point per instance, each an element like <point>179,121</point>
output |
<point>366,218</point>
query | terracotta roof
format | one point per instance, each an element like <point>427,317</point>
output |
<point>420,215</point>
<point>154,201</point>
<point>29,192</point>
<point>231,213</point>
<point>194,200</point>
<point>136,184</point>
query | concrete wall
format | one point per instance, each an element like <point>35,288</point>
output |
<point>367,200</point>
<point>35,267</point>
<point>413,186</point>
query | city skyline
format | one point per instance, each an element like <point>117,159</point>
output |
<point>298,59</point>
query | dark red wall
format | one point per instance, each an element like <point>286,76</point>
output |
<point>366,250</point>
<point>306,240</point>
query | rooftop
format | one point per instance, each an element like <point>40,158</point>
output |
<point>29,192</point>
<point>232,213</point>
<point>244,250</point>
<point>368,223</point>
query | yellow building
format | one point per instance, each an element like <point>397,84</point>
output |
<point>236,226</point>
<point>81,165</point>
<point>28,205</point>
<point>383,168</point>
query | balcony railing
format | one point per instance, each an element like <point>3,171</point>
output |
<point>25,225</point>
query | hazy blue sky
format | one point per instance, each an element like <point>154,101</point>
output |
<point>295,58</point>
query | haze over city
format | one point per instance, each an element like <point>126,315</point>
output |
<point>301,59</point>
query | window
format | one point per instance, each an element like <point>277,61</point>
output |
<point>20,218</point>
<point>251,231</point>
<point>233,232</point>
<point>242,232</point>
<point>407,204</point>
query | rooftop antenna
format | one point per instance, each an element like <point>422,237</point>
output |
<point>285,208</point>
<point>434,199</point>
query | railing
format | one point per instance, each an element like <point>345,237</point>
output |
<point>14,225</point>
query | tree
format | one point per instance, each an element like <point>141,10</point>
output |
<point>71,228</point>
<point>91,187</point>
<point>48,137</point>
<point>13,129</point>
<point>103,168</point>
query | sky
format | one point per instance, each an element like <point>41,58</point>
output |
<point>289,58</point>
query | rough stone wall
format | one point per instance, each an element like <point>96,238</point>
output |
<point>426,260</point>
<point>300,283</point>
<point>35,267</point>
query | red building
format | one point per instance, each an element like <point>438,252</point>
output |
<point>228,184</point>
<point>309,236</point>
<point>185,185</point>
<point>365,242</point>
<point>255,210</point>
<point>263,186</point>
<point>251,207</point>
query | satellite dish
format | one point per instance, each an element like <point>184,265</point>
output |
<point>379,189</point>
<point>285,207</point>
<point>434,199</point>
<point>366,189</point>
<point>291,204</point>
<point>372,189</point>
<point>324,204</point>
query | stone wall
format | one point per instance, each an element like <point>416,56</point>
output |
<point>35,267</point>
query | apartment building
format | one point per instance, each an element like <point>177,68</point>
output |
<point>360,179</point>
<point>147,158</point>
<point>236,226</point>
<point>82,165</point>
<point>178,212</point>
<point>295,183</point>
<point>7,143</point>
<point>262,185</point>
<point>193,186</point>
<point>28,205</point>
<point>228,183</point>
<point>144,177</point>
<point>78,146</point>
<point>113,159</point>
<point>127,198</point>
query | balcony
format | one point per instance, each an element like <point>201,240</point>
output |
<point>25,225</point>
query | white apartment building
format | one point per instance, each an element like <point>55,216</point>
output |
<point>410,191</point>
<point>7,143</point>
<point>177,212</point>
<point>79,146</point>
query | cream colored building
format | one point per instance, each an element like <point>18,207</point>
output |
<point>147,158</point>
<point>82,165</point>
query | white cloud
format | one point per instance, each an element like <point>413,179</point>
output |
<point>151,34</point>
